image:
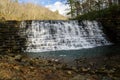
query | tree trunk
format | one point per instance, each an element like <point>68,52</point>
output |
<point>110,2</point>
<point>118,2</point>
<point>77,5</point>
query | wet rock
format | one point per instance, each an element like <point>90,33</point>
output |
<point>1,56</point>
<point>106,78</point>
<point>69,72</point>
<point>111,71</point>
<point>18,57</point>
<point>95,77</point>
<point>74,69</point>
<point>17,68</point>
<point>85,69</point>
<point>92,71</point>
<point>24,60</point>
<point>16,78</point>
<point>78,77</point>
<point>116,78</point>
<point>83,77</point>
<point>91,63</point>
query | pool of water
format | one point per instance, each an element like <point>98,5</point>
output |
<point>69,55</point>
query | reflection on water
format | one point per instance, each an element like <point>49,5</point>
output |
<point>73,54</point>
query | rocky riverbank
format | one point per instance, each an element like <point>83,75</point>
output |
<point>21,67</point>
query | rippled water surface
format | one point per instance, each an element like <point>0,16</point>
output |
<point>69,55</point>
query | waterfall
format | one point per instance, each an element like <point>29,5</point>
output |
<point>63,35</point>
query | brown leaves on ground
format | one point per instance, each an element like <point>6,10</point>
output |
<point>12,69</point>
<point>20,67</point>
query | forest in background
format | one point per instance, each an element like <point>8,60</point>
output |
<point>12,10</point>
<point>107,12</point>
<point>83,7</point>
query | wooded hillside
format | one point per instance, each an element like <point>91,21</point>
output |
<point>12,10</point>
<point>81,7</point>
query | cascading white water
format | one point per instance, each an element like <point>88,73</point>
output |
<point>63,35</point>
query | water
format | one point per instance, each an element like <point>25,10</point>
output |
<point>66,40</point>
<point>70,55</point>
<point>47,36</point>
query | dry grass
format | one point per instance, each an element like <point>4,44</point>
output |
<point>27,11</point>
